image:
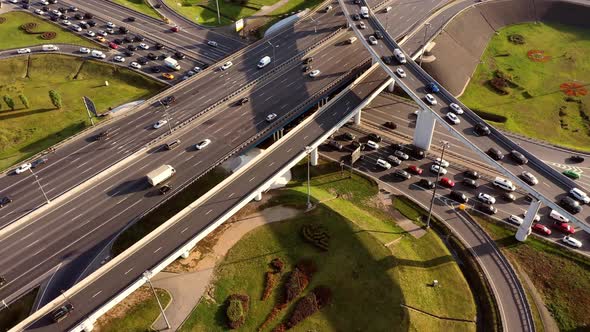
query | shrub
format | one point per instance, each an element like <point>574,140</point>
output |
<point>318,298</point>
<point>237,309</point>
<point>9,102</point>
<point>55,98</point>
<point>272,315</point>
<point>49,35</point>
<point>277,265</point>
<point>24,100</point>
<point>316,235</point>
<point>296,284</point>
<point>307,266</point>
<point>499,84</point>
<point>269,283</point>
<point>516,39</point>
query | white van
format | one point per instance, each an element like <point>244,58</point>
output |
<point>557,216</point>
<point>387,9</point>
<point>351,40</point>
<point>98,54</point>
<point>49,47</point>
<point>263,62</point>
<point>504,184</point>
<point>399,55</point>
<point>365,12</point>
<point>384,164</point>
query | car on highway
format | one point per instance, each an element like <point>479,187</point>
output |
<point>62,312</point>
<point>152,56</point>
<point>486,198</point>
<point>515,219</point>
<point>119,58</point>
<point>415,169</point>
<point>441,162</point>
<point>372,145</point>
<point>529,178</point>
<point>471,174</point>
<point>435,168</point>
<point>111,25</point>
<point>101,39</point>
<point>426,184</point>
<point>378,34</point>
<point>383,163</point>
<point>458,196</point>
<point>470,183</point>
<point>315,73</point>
<point>227,65</point>
<point>455,108</point>
<point>570,205</point>
<point>102,33</point>
<point>536,218</point>
<point>571,174</point>
<point>518,157</point>
<point>495,153</point>
<point>362,24</point>
<point>168,76</point>
<point>558,216</point>
<point>356,17</point>
<point>453,118</point>
<point>131,19</point>
<point>165,189</point>
<point>132,47</point>
<point>401,155</point>
<point>124,30</point>
<point>400,173</point>
<point>90,33</point>
<point>541,229</point>
<point>23,168</point>
<point>577,158</point>
<point>156,69</point>
<point>175,29</point>
<point>172,145</point>
<point>23,51</point>
<point>488,209</point>
<point>39,162</point>
<point>103,135</point>
<point>563,227</point>
<point>39,12</point>
<point>113,45</point>
<point>372,40</point>
<point>394,160</point>
<point>135,65</point>
<point>5,201</point>
<point>388,60</point>
<point>446,182</point>
<point>160,124</point>
<point>508,197</point>
<point>84,50</point>
<point>66,22</point>
<point>430,99</point>
<point>212,43</point>
<point>271,117</point>
<point>400,72</point>
<point>168,100</point>
<point>481,129</point>
<point>572,242</point>
<point>349,136</point>
<point>579,195</point>
<point>202,144</point>
<point>76,28</point>
<point>374,137</point>
<point>144,46</point>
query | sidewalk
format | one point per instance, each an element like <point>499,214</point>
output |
<point>403,222</point>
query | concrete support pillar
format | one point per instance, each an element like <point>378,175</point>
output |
<point>258,197</point>
<point>524,230</point>
<point>357,118</point>
<point>391,86</point>
<point>185,254</point>
<point>314,155</point>
<point>424,129</point>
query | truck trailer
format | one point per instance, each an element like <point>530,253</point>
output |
<point>160,174</point>
<point>171,63</point>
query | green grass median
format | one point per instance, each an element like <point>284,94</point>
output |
<point>140,6</point>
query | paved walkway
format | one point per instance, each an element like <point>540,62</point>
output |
<point>188,288</point>
<point>403,222</point>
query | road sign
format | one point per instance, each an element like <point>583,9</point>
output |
<point>90,105</point>
<point>239,24</point>
<point>355,155</point>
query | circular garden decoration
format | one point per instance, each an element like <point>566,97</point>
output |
<point>2,20</point>
<point>49,35</point>
<point>29,27</point>
<point>516,39</point>
<point>538,56</point>
<point>573,89</point>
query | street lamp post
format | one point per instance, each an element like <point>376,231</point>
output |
<point>40,186</point>
<point>445,145</point>
<point>147,275</point>
<point>308,150</point>
<point>166,115</point>
<point>274,58</point>
<point>427,25</point>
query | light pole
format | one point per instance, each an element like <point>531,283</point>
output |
<point>445,145</point>
<point>274,58</point>
<point>315,26</point>
<point>40,186</point>
<point>147,275</point>
<point>308,150</point>
<point>166,115</point>
<point>218,14</point>
<point>427,25</point>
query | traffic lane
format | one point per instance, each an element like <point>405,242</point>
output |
<point>405,14</point>
<point>132,268</point>
<point>54,229</point>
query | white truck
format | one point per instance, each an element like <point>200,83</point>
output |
<point>160,174</point>
<point>399,55</point>
<point>47,48</point>
<point>171,63</point>
<point>365,12</point>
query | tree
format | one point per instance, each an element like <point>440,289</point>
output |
<point>55,98</point>
<point>24,100</point>
<point>9,102</point>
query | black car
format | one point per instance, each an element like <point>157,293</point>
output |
<point>26,6</point>
<point>142,61</point>
<point>388,60</point>
<point>571,205</point>
<point>471,174</point>
<point>470,183</point>
<point>400,173</point>
<point>244,100</point>
<point>45,8</point>
<point>509,197</point>
<point>2,281</point>
<point>84,25</point>
<point>357,2</point>
<point>179,55</point>
<point>308,60</point>
<point>4,201</point>
<point>52,1</point>
<point>102,135</point>
<point>458,196</point>
<point>397,146</point>
<point>165,189</point>
<point>132,47</point>
<point>129,53</point>
<point>138,38</point>
<point>79,16</point>
<point>481,129</point>
<point>378,34</point>
<point>518,157</point>
<point>349,136</point>
<point>151,56</point>
<point>158,46</point>
<point>123,30</point>
<point>169,100</point>
<point>54,18</point>
<point>374,137</point>
<point>488,209</point>
<point>72,9</point>
<point>62,312</point>
<point>417,152</point>
<point>577,158</point>
<point>162,56</point>
<point>128,39</point>
<point>495,154</point>
<point>156,69</point>
<point>88,16</point>
<point>427,184</point>
<point>356,17</point>
<point>307,68</point>
<point>390,125</point>
<point>131,19</point>
<point>91,23</point>
<point>39,162</point>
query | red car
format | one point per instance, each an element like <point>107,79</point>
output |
<point>175,29</point>
<point>415,169</point>
<point>564,227</point>
<point>447,182</point>
<point>113,45</point>
<point>542,229</point>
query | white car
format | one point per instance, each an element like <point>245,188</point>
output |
<point>435,168</point>
<point>486,198</point>
<point>76,27</point>
<point>84,50</point>
<point>23,51</point>
<point>271,117</point>
<point>226,65</point>
<point>372,40</point>
<point>39,12</point>
<point>314,73</point>
<point>212,43</point>
<point>111,25</point>
<point>135,65</point>
<point>430,99</point>
<point>515,219</point>
<point>201,145</point>
<point>536,218</point>
<point>197,69</point>
<point>456,108</point>
<point>90,33</point>
<point>110,30</point>
<point>13,1</point>
<point>23,168</point>
<point>372,145</point>
<point>384,164</point>
<point>572,242</point>
<point>529,178</point>
<point>56,12</point>
<point>144,46</point>
<point>44,2</point>
<point>442,162</point>
<point>160,123</point>
<point>401,155</point>
<point>119,58</point>
<point>102,33</point>
<point>579,195</point>
<point>362,25</point>
<point>453,118</point>
<point>400,72</point>
<point>66,22</point>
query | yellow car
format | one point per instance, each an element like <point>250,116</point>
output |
<point>168,76</point>
<point>101,39</point>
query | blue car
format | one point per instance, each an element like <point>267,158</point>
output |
<point>432,87</point>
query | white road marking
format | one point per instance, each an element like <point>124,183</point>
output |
<point>184,230</point>
<point>128,271</point>
<point>93,296</point>
<point>208,212</point>
<point>230,195</point>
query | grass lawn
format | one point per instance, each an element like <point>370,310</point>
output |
<point>561,277</point>
<point>205,12</point>
<point>369,281</point>
<point>25,132</point>
<point>14,37</point>
<point>140,6</point>
<point>537,98</point>
<point>17,311</point>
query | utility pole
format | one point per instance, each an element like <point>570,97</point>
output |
<point>40,186</point>
<point>166,115</point>
<point>218,14</point>
<point>427,25</point>
<point>445,145</point>
<point>274,58</point>
<point>147,275</point>
<point>308,150</point>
